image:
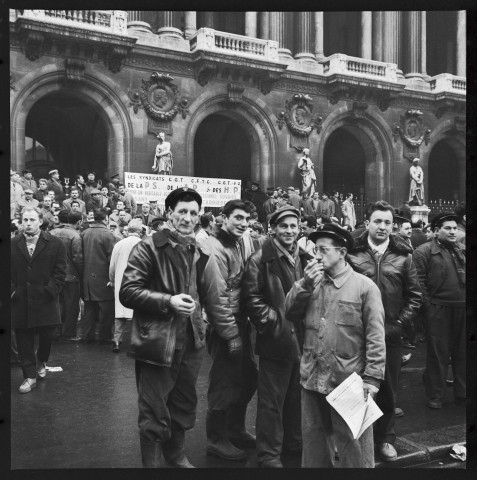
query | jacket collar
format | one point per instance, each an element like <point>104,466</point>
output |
<point>342,277</point>
<point>226,239</point>
<point>270,253</point>
<point>395,245</point>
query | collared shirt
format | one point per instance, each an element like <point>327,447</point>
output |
<point>378,248</point>
<point>31,241</point>
<point>283,252</point>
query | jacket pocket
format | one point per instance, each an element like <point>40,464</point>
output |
<point>349,329</point>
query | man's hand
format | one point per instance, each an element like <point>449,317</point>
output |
<point>235,346</point>
<point>313,272</point>
<point>369,389</point>
<point>408,327</point>
<point>183,304</point>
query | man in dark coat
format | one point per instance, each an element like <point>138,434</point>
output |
<point>38,270</point>
<point>269,275</point>
<point>387,261</point>
<point>258,198</point>
<point>54,184</point>
<point>98,296</point>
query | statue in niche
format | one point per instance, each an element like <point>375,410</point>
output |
<point>307,172</point>
<point>416,192</point>
<point>163,156</point>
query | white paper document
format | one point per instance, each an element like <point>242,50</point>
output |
<point>348,400</point>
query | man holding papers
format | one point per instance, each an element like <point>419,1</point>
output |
<point>343,318</point>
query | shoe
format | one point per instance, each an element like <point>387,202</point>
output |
<point>387,452</point>
<point>218,443</point>
<point>408,345</point>
<point>405,359</point>
<point>27,385</point>
<point>272,463</point>
<point>435,404</point>
<point>460,402</point>
<point>116,347</point>
<point>41,370</point>
<point>237,433</point>
<point>398,412</point>
<point>243,440</point>
<point>180,462</point>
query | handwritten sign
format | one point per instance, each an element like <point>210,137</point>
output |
<point>215,192</point>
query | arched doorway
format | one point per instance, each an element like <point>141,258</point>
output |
<point>64,131</point>
<point>344,164</point>
<point>222,149</point>
<point>444,174</point>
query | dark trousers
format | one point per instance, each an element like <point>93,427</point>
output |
<point>104,311</point>
<point>278,408</point>
<point>26,347</point>
<point>446,336</point>
<point>167,398</point>
<point>69,307</point>
<point>232,381</point>
<point>386,398</point>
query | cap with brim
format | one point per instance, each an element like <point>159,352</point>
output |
<point>28,190</point>
<point>52,172</point>
<point>256,183</point>
<point>283,212</point>
<point>178,193</point>
<point>91,173</point>
<point>400,220</point>
<point>116,175</point>
<point>443,217</point>
<point>113,224</point>
<point>95,191</point>
<point>332,230</point>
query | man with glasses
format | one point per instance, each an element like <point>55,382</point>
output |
<point>343,320</point>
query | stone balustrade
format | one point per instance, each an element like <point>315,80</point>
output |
<point>211,40</point>
<point>112,21</point>
<point>445,82</point>
<point>359,67</point>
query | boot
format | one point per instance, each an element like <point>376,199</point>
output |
<point>174,448</point>
<point>218,443</point>
<point>236,427</point>
<point>151,454</point>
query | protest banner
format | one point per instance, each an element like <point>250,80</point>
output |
<point>215,192</point>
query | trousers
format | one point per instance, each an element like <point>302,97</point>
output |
<point>446,336</point>
<point>232,381</point>
<point>323,429</point>
<point>122,328</point>
<point>167,397</point>
<point>26,347</point>
<point>69,307</point>
<point>104,311</point>
<point>278,408</point>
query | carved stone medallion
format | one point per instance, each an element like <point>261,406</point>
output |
<point>412,132</point>
<point>159,97</point>
<point>299,117</point>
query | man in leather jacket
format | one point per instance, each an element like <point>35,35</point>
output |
<point>269,275</point>
<point>387,260</point>
<point>161,284</point>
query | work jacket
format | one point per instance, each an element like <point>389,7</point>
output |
<point>264,288</point>
<point>344,332</point>
<point>74,251</point>
<point>396,277</point>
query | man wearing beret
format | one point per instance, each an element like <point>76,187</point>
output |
<point>54,183</point>
<point>161,284</point>
<point>441,267</point>
<point>343,320</point>
<point>387,261</point>
<point>269,275</point>
<point>233,374</point>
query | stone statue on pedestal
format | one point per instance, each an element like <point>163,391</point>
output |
<point>416,192</point>
<point>307,172</point>
<point>163,156</point>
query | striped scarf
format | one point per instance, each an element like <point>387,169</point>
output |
<point>31,241</point>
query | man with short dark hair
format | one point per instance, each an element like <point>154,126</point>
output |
<point>269,275</point>
<point>233,374</point>
<point>258,198</point>
<point>90,185</point>
<point>306,205</point>
<point>441,266</point>
<point>146,216</point>
<point>98,296</point>
<point>418,237</point>
<point>389,264</point>
<point>74,195</point>
<point>326,206</point>
<point>308,225</point>
<point>162,284</point>
<point>129,201</point>
<point>293,197</point>
<point>341,314</point>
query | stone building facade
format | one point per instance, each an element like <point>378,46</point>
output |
<point>240,94</point>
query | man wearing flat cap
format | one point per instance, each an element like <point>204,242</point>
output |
<point>441,266</point>
<point>28,200</point>
<point>27,181</point>
<point>269,275</point>
<point>54,183</point>
<point>89,185</point>
<point>343,320</point>
<point>387,261</point>
<point>162,284</point>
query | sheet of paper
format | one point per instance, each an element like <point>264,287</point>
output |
<point>348,400</point>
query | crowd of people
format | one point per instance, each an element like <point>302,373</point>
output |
<point>326,294</point>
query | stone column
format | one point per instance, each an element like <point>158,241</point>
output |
<point>392,39</point>
<point>137,21</point>
<point>278,33</point>
<point>366,35</point>
<point>190,24</point>
<point>319,30</point>
<point>303,37</point>
<point>461,43</point>
<point>415,50</point>
<point>424,44</point>
<point>166,25</point>
<point>377,33</point>
<point>251,24</point>
<point>264,25</point>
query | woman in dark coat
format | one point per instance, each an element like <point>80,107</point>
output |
<point>38,271</point>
